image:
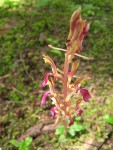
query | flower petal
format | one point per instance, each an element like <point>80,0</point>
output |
<point>44,82</point>
<point>71,122</point>
<point>53,112</point>
<point>85,94</point>
<point>44,97</point>
<point>80,111</point>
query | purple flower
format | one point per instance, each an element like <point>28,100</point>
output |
<point>53,112</point>
<point>71,122</point>
<point>85,94</point>
<point>44,97</point>
<point>80,111</point>
<point>45,79</point>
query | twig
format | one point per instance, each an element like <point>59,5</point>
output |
<point>105,141</point>
<point>5,76</point>
<point>38,129</point>
<point>24,66</point>
<point>88,143</point>
<point>14,89</point>
<point>11,101</point>
<point>84,57</point>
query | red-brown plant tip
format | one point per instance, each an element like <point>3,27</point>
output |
<point>85,94</point>
<point>67,100</point>
<point>81,37</point>
<point>75,18</point>
<point>78,29</point>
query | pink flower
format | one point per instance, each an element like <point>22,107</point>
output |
<point>53,112</point>
<point>45,79</point>
<point>79,112</point>
<point>85,94</point>
<point>44,97</point>
<point>71,122</point>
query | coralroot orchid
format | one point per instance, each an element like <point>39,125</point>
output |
<point>67,102</point>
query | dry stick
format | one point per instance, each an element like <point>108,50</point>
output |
<point>84,57</point>
<point>5,76</point>
<point>105,141</point>
<point>11,101</point>
<point>88,143</point>
<point>24,66</point>
<point>14,89</point>
<point>37,130</point>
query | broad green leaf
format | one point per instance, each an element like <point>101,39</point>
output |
<point>56,52</point>
<point>60,130</point>
<point>77,127</point>
<point>15,143</point>
<point>28,141</point>
<point>62,138</point>
<point>23,146</point>
<point>108,119</point>
<point>71,131</point>
<point>78,118</point>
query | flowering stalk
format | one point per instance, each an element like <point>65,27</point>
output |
<point>67,102</point>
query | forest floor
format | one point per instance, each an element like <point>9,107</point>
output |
<point>25,31</point>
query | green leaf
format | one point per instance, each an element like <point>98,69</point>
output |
<point>77,127</point>
<point>71,131</point>
<point>108,119</point>
<point>28,141</point>
<point>23,146</point>
<point>15,143</point>
<point>78,118</point>
<point>56,52</point>
<point>62,138</point>
<point>41,3</point>
<point>60,130</point>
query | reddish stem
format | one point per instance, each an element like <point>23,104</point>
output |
<point>66,65</point>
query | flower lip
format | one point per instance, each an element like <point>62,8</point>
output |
<point>71,122</point>
<point>52,111</point>
<point>85,94</point>
<point>44,82</point>
<point>80,111</point>
<point>44,97</point>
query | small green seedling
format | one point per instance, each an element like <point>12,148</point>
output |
<point>108,119</point>
<point>23,145</point>
<point>71,131</point>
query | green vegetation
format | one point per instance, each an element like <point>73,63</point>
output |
<point>72,131</point>
<point>23,145</point>
<point>108,119</point>
<point>26,28</point>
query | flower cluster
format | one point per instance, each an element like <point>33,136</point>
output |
<point>67,102</point>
